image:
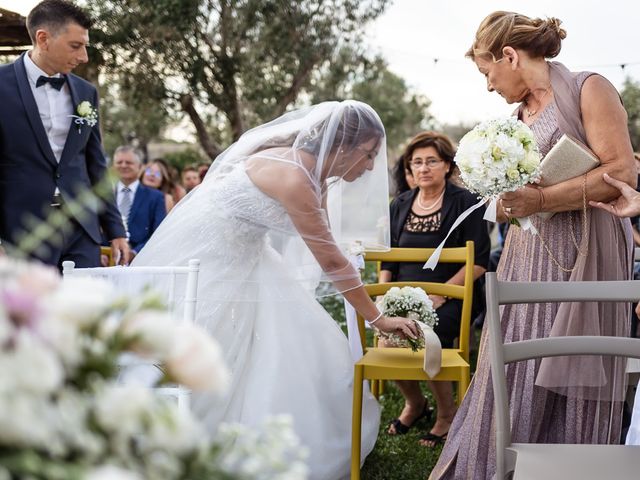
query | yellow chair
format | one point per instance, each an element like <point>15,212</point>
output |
<point>106,251</point>
<point>379,364</point>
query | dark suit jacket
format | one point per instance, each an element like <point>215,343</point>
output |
<point>29,172</point>
<point>147,211</point>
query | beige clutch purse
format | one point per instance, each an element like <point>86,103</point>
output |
<point>569,158</point>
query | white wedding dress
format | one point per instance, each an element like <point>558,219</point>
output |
<point>285,353</point>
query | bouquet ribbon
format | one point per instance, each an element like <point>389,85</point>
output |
<point>490,215</point>
<point>432,349</point>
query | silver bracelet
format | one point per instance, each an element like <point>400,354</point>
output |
<point>371,322</point>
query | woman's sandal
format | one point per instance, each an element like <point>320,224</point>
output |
<point>400,428</point>
<point>434,439</point>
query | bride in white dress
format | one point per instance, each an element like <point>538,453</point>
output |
<point>285,199</point>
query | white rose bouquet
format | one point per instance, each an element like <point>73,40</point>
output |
<point>498,156</point>
<point>415,304</point>
<point>412,303</point>
<point>63,415</point>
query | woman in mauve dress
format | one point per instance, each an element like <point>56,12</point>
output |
<point>564,399</point>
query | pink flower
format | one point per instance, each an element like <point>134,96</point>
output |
<point>21,307</point>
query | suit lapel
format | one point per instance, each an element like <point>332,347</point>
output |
<point>137,200</point>
<point>31,108</point>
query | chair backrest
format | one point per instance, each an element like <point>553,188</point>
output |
<point>463,255</point>
<point>503,293</point>
<point>179,285</point>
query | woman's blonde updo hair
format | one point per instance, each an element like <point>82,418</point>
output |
<point>536,36</point>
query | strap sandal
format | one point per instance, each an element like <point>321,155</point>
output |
<point>401,429</point>
<point>434,439</point>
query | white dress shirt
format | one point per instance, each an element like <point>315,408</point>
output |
<point>132,186</point>
<point>55,107</point>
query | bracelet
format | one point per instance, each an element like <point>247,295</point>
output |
<point>371,322</point>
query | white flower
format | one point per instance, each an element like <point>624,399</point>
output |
<point>85,109</point>
<point>498,156</point>
<point>122,410</point>
<point>26,421</point>
<point>154,333</point>
<point>110,472</point>
<point>195,360</point>
<point>408,302</point>
<point>175,431</point>
<point>29,366</point>
<point>82,301</point>
<point>64,338</point>
<point>87,114</point>
<point>270,451</point>
<point>355,248</point>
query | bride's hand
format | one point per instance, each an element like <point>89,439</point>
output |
<point>398,325</point>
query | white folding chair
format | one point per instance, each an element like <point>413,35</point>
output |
<point>555,461</point>
<point>178,285</point>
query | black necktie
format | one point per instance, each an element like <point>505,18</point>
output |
<point>56,82</point>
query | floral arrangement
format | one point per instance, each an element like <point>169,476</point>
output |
<point>498,156</point>
<point>64,416</point>
<point>86,114</point>
<point>408,302</point>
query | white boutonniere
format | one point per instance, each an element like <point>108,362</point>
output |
<point>86,115</point>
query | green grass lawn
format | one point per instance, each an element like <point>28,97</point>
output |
<point>399,456</point>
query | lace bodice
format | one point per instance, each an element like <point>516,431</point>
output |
<point>236,196</point>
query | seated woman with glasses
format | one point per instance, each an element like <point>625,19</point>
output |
<point>156,175</point>
<point>421,218</point>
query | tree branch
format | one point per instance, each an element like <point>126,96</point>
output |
<point>211,148</point>
<point>296,85</point>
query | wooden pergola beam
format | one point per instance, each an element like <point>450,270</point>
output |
<point>13,33</point>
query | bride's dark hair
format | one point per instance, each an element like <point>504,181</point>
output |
<point>356,125</point>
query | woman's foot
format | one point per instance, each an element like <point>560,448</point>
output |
<point>438,434</point>
<point>409,416</point>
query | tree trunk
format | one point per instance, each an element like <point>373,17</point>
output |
<point>208,145</point>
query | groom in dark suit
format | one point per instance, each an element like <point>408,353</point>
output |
<point>50,145</point>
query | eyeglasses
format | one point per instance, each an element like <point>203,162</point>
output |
<point>431,163</point>
<point>151,173</point>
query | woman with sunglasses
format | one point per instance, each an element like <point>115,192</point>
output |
<point>156,175</point>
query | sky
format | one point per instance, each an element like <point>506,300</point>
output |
<point>410,34</point>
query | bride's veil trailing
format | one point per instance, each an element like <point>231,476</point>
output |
<point>327,165</point>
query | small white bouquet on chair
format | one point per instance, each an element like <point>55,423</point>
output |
<point>497,156</point>
<point>415,304</point>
